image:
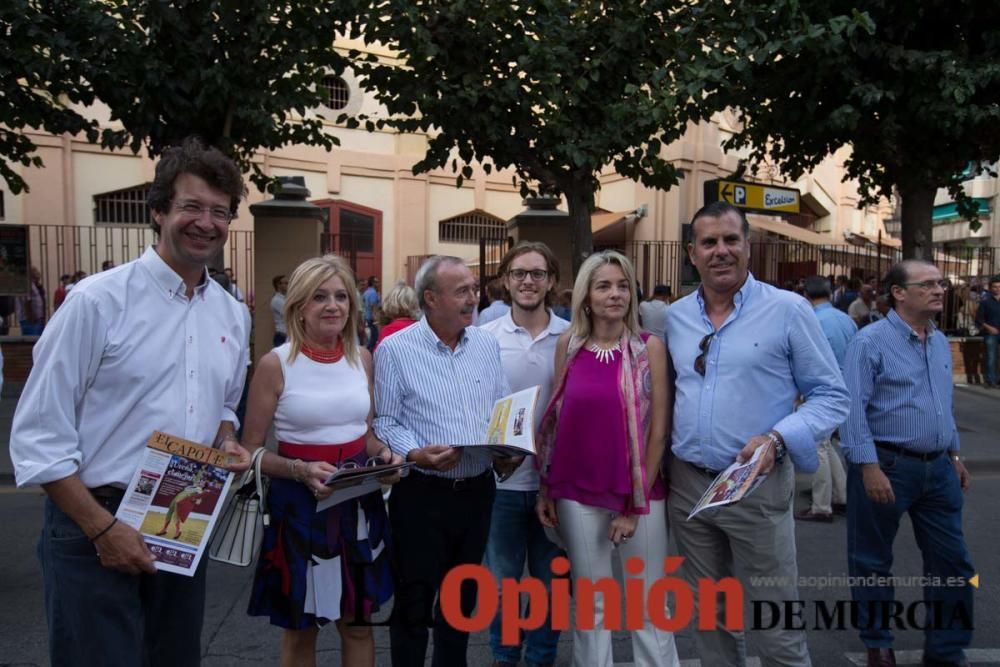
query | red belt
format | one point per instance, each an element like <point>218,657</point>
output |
<point>333,454</point>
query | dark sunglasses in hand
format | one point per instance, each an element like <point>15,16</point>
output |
<point>699,361</point>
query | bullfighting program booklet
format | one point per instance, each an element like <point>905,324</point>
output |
<point>174,500</point>
<point>734,483</point>
<point>511,431</point>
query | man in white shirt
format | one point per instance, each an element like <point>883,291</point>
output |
<point>153,345</point>
<point>653,313</point>
<point>527,337</point>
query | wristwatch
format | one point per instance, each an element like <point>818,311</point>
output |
<point>779,445</point>
<point>954,456</point>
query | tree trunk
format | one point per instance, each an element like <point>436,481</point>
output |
<point>579,191</point>
<point>917,209</point>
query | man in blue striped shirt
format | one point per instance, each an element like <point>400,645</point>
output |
<point>901,443</point>
<point>435,385</point>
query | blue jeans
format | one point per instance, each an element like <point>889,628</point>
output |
<point>103,617</point>
<point>515,532</point>
<point>930,493</point>
<point>990,340</point>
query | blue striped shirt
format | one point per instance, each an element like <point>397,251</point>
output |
<point>901,390</point>
<point>768,351</point>
<point>428,394</point>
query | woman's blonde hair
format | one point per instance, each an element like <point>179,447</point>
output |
<point>401,301</point>
<point>580,324</point>
<point>305,280</point>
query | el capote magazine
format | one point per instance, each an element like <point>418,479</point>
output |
<point>174,498</point>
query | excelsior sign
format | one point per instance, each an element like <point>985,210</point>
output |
<point>753,196</point>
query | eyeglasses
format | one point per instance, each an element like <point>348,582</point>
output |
<point>218,214</point>
<point>929,284</point>
<point>537,275</point>
<point>699,361</point>
<point>352,465</point>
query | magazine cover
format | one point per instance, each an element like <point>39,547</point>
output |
<point>174,499</point>
<point>511,428</point>
<point>734,483</point>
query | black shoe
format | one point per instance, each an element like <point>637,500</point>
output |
<point>840,508</point>
<point>809,515</point>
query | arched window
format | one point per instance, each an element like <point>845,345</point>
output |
<point>335,92</point>
<point>126,206</point>
<point>470,227</point>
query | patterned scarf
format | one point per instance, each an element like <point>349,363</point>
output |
<point>635,384</point>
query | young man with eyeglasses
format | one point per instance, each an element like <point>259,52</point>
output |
<point>153,345</point>
<point>742,352</point>
<point>527,335</point>
<point>902,446</point>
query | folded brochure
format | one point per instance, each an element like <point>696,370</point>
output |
<point>734,483</point>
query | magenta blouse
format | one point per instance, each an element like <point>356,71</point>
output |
<point>590,461</point>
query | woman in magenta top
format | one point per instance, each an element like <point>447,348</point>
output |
<point>600,446</point>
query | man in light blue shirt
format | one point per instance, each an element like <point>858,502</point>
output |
<point>742,352</point>
<point>901,444</point>
<point>829,484</point>
<point>497,308</point>
<point>435,385</point>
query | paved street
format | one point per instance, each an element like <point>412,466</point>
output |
<point>232,638</point>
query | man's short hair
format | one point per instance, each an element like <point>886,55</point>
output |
<point>717,209</point>
<point>371,281</point>
<point>207,163</point>
<point>523,248</point>
<point>817,287</point>
<point>995,279</point>
<point>277,279</point>
<point>661,290</point>
<point>899,275</point>
<point>426,278</point>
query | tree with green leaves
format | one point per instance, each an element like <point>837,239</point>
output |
<point>554,90</point>
<point>241,74</point>
<point>913,88</point>
<point>41,78</point>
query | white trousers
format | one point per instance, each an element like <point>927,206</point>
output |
<point>585,530</point>
<point>829,482</point>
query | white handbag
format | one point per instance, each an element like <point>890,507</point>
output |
<point>240,529</point>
